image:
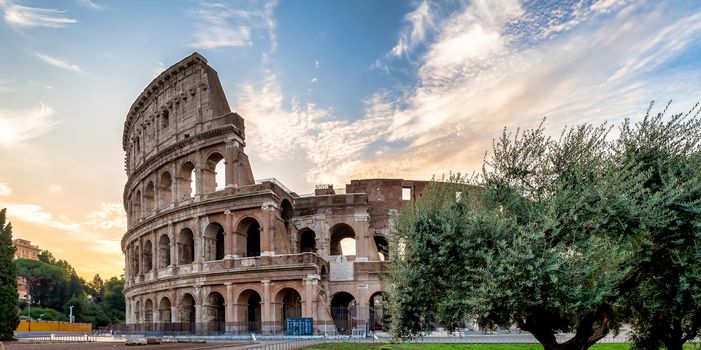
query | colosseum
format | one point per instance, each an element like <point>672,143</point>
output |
<point>209,248</point>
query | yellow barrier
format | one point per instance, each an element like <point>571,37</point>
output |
<point>53,326</point>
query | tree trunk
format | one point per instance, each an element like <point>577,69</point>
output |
<point>592,328</point>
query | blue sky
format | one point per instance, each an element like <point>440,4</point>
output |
<point>330,90</point>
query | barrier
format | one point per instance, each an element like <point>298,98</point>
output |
<point>53,326</point>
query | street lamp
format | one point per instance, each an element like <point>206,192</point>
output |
<point>71,315</point>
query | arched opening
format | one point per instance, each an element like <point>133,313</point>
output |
<point>342,240</point>
<point>307,241</point>
<point>135,254</point>
<point>187,181</point>
<point>286,213</point>
<point>250,300</point>
<point>137,312</point>
<point>148,312</point>
<point>214,242</point>
<point>214,313</point>
<point>164,310</point>
<point>136,205</point>
<point>379,315</point>
<point>165,190</point>
<point>382,248</point>
<point>213,174</point>
<point>250,228</point>
<point>163,252</point>
<point>343,311</point>
<point>290,305</point>
<point>148,256</point>
<point>149,195</point>
<point>186,246</point>
<point>187,313</point>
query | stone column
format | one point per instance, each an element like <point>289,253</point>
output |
<point>231,148</point>
<point>307,310</point>
<point>265,310</point>
<point>173,245</point>
<point>127,311</point>
<point>229,235</point>
<point>229,305</point>
<point>267,231</point>
<point>154,253</point>
<point>175,177</point>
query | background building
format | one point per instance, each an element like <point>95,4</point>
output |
<point>24,250</point>
<point>210,249</point>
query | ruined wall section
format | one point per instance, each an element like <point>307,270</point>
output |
<point>185,100</point>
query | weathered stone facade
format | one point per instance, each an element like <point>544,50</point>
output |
<point>243,255</point>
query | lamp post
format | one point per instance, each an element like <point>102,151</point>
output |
<point>71,315</point>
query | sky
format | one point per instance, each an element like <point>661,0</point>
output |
<point>330,90</point>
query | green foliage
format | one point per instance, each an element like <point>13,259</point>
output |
<point>549,242</point>
<point>439,346</point>
<point>55,284</point>
<point>8,281</point>
<point>44,314</point>
<point>667,302</point>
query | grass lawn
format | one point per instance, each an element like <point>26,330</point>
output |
<point>428,346</point>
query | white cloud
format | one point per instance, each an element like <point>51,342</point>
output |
<point>487,67</point>
<point>109,216</point>
<point>55,188</point>
<point>58,63</point>
<point>25,16</point>
<point>25,124</point>
<point>5,189</point>
<point>35,214</point>
<point>418,23</point>
<point>91,4</point>
<point>230,24</point>
<point>314,80</point>
<point>6,87</point>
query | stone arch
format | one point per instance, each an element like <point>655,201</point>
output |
<point>213,173</point>
<point>214,242</point>
<point>135,254</point>
<point>187,179</point>
<point>149,198</point>
<point>164,259</point>
<point>343,310</point>
<point>214,312</point>
<point>148,311</point>
<point>137,312</point>
<point>148,256</point>
<point>286,212</point>
<point>249,229</point>
<point>249,302</point>
<point>288,304</point>
<point>164,309</point>
<point>382,245</point>
<point>186,246</point>
<point>342,235</point>
<point>136,205</point>
<point>307,240</point>
<point>379,315</point>
<point>165,190</point>
<point>187,312</point>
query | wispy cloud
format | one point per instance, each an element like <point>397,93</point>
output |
<point>418,23</point>
<point>91,4</point>
<point>25,16</point>
<point>486,66</point>
<point>25,124</point>
<point>108,216</point>
<point>58,63</point>
<point>230,24</point>
<point>159,69</point>
<point>6,87</point>
<point>5,189</point>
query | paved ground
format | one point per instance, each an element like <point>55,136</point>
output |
<point>111,346</point>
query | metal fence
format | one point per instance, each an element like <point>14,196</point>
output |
<point>71,338</point>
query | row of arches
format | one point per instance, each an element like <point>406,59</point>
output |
<point>213,248</point>
<point>288,304</point>
<point>162,193</point>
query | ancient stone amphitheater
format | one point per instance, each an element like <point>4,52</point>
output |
<point>211,249</point>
